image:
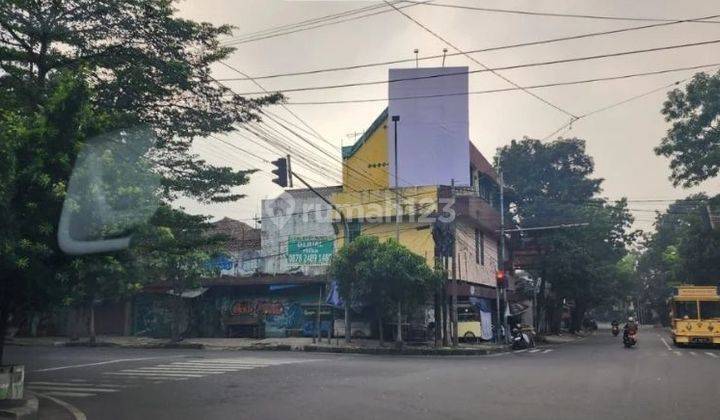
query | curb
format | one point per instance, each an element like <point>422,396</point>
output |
<point>27,411</point>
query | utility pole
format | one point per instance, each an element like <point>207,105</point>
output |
<point>346,235</point>
<point>502,248</point>
<point>395,119</point>
<point>500,264</point>
<point>454,281</point>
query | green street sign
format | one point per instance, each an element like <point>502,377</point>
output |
<point>310,250</point>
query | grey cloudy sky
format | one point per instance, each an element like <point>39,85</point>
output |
<point>620,139</point>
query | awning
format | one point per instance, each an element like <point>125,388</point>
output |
<point>189,294</point>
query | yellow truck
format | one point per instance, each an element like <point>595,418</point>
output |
<point>695,315</point>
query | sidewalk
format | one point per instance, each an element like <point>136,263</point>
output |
<point>560,339</point>
<point>364,346</point>
<point>25,409</point>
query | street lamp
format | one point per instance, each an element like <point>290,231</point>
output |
<point>395,119</point>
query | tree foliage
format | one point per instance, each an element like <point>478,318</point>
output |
<point>141,62</point>
<point>682,250</point>
<point>72,70</point>
<point>693,141</point>
<point>551,184</point>
<point>382,275</point>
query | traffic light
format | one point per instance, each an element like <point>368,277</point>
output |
<point>500,278</point>
<point>281,172</point>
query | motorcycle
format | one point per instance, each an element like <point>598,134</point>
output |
<point>521,340</point>
<point>630,339</point>
<point>615,330</point>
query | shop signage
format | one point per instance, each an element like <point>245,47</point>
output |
<point>310,250</point>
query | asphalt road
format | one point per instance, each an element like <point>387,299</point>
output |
<point>595,378</point>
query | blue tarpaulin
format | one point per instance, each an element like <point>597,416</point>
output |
<point>333,297</point>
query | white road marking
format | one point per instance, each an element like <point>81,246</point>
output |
<point>107,362</point>
<point>217,365</point>
<point>68,394</point>
<point>69,388</point>
<point>693,353</point>
<point>79,415</point>
<point>677,353</point>
<point>711,354</point>
<point>190,369</point>
<point>534,350</point>
<point>520,351</point>
<point>666,344</point>
<point>547,351</point>
<point>154,375</point>
<point>71,383</point>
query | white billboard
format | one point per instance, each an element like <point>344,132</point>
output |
<point>433,136</point>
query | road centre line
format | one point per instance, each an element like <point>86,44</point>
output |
<point>711,354</point>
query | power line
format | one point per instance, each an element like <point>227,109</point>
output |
<point>307,27</point>
<point>302,23</point>
<point>550,14</point>
<point>496,48</point>
<point>616,104</point>
<point>488,69</point>
<point>365,175</point>
<point>512,89</point>
<point>471,58</point>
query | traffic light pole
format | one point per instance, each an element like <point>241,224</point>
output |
<point>346,236</point>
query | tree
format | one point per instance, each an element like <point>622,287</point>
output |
<point>143,63</point>
<point>40,145</point>
<point>402,277</point>
<point>550,184</point>
<point>71,70</point>
<point>385,275</point>
<point>693,141</point>
<point>177,248</point>
<point>682,250</point>
<point>351,266</point>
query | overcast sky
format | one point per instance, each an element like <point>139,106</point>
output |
<point>620,140</point>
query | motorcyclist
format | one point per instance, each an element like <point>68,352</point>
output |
<point>615,323</point>
<point>630,326</point>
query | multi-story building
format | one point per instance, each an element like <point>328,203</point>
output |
<point>431,186</point>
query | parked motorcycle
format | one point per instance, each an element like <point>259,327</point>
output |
<point>615,330</point>
<point>521,340</point>
<point>630,339</point>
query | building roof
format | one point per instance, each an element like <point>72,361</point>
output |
<point>348,151</point>
<point>241,235</point>
<point>264,279</point>
<point>480,163</point>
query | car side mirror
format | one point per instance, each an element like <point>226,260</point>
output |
<point>113,190</point>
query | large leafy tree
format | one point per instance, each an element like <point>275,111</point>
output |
<point>684,249</point>
<point>693,141</point>
<point>551,184</point>
<point>71,70</point>
<point>384,275</point>
<point>176,249</point>
<point>141,61</point>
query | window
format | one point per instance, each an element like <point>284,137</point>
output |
<point>709,310</point>
<point>684,309</point>
<point>479,247</point>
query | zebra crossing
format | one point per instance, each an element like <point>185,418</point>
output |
<point>692,354</point>
<point>116,381</point>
